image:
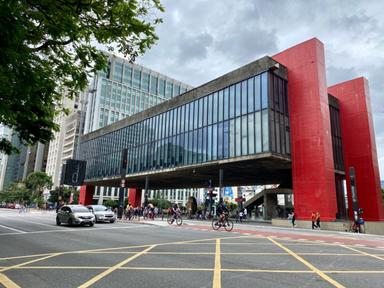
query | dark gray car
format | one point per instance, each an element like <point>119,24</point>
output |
<point>102,213</point>
<point>75,214</point>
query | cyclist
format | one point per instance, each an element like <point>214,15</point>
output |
<point>221,211</point>
<point>175,211</point>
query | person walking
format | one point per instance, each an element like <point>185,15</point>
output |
<point>318,220</point>
<point>293,219</point>
<point>313,219</point>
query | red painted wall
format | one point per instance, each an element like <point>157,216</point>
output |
<point>86,194</point>
<point>311,144</point>
<point>359,145</point>
<point>134,196</point>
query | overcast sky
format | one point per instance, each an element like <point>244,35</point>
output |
<point>201,40</point>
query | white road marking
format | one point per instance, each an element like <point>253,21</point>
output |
<point>71,230</point>
<point>13,229</point>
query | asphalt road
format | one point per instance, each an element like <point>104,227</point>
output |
<point>34,252</point>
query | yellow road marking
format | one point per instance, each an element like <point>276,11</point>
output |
<point>309,265</point>
<point>7,283</point>
<point>217,270</point>
<point>125,247</point>
<point>166,269</point>
<point>354,272</point>
<point>113,268</point>
<point>27,256</point>
<point>62,267</point>
<point>267,271</point>
<point>29,262</point>
<point>362,252</point>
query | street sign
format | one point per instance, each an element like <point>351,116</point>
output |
<point>240,199</point>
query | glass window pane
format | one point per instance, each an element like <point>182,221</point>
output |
<point>118,73</point>
<point>214,142</point>
<point>226,103</point>
<point>195,114</point>
<point>136,78</point>
<point>238,136</point>
<point>264,90</point>
<point>127,78</point>
<point>221,105</point>
<point>215,110</point>
<point>205,109</point>
<point>226,140</point>
<point>145,82</point>
<point>251,96</point>
<point>244,134</point>
<point>232,138</point>
<point>251,134</point>
<point>210,109</point>
<point>265,130</point>
<point>257,93</point>
<point>220,139</point>
<point>244,96</point>
<point>238,100</point>
<point>153,84</point>
<point>169,90</point>
<point>232,101</point>
<point>200,112</point>
<point>209,148</point>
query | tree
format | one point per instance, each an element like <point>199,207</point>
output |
<point>16,193</point>
<point>65,194</point>
<point>37,181</point>
<point>48,47</point>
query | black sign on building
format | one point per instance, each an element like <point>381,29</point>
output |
<point>73,172</point>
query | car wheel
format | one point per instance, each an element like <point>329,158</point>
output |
<point>91,224</point>
<point>58,223</point>
<point>70,222</point>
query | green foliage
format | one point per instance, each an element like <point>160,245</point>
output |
<point>161,203</point>
<point>37,181</point>
<point>65,194</point>
<point>111,203</point>
<point>16,193</point>
<point>48,47</point>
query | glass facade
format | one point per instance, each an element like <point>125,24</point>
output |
<point>125,89</point>
<point>247,118</point>
<point>337,144</point>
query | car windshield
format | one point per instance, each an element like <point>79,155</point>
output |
<point>79,209</point>
<point>99,208</point>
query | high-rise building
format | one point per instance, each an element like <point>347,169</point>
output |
<point>63,145</point>
<point>124,89</point>
<point>5,133</point>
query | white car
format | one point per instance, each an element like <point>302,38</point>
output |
<point>102,213</point>
<point>75,214</point>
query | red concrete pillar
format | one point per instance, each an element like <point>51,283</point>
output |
<point>359,145</point>
<point>134,196</point>
<point>313,174</point>
<point>86,194</point>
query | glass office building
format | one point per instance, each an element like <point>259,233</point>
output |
<point>242,119</point>
<point>124,89</point>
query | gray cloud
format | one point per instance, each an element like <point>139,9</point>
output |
<point>193,47</point>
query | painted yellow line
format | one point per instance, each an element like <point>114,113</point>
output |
<point>113,268</point>
<point>27,256</point>
<point>62,267</point>
<point>7,283</point>
<point>329,254</point>
<point>29,262</point>
<point>362,252</point>
<point>217,270</point>
<point>267,271</point>
<point>124,247</point>
<point>254,253</point>
<point>166,269</point>
<point>354,272</point>
<point>309,265</point>
<point>181,253</point>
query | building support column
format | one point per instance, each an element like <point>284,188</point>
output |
<point>146,191</point>
<point>86,194</point>
<point>221,175</point>
<point>134,197</point>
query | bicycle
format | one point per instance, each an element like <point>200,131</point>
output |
<point>172,218</point>
<point>356,227</point>
<point>225,222</point>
